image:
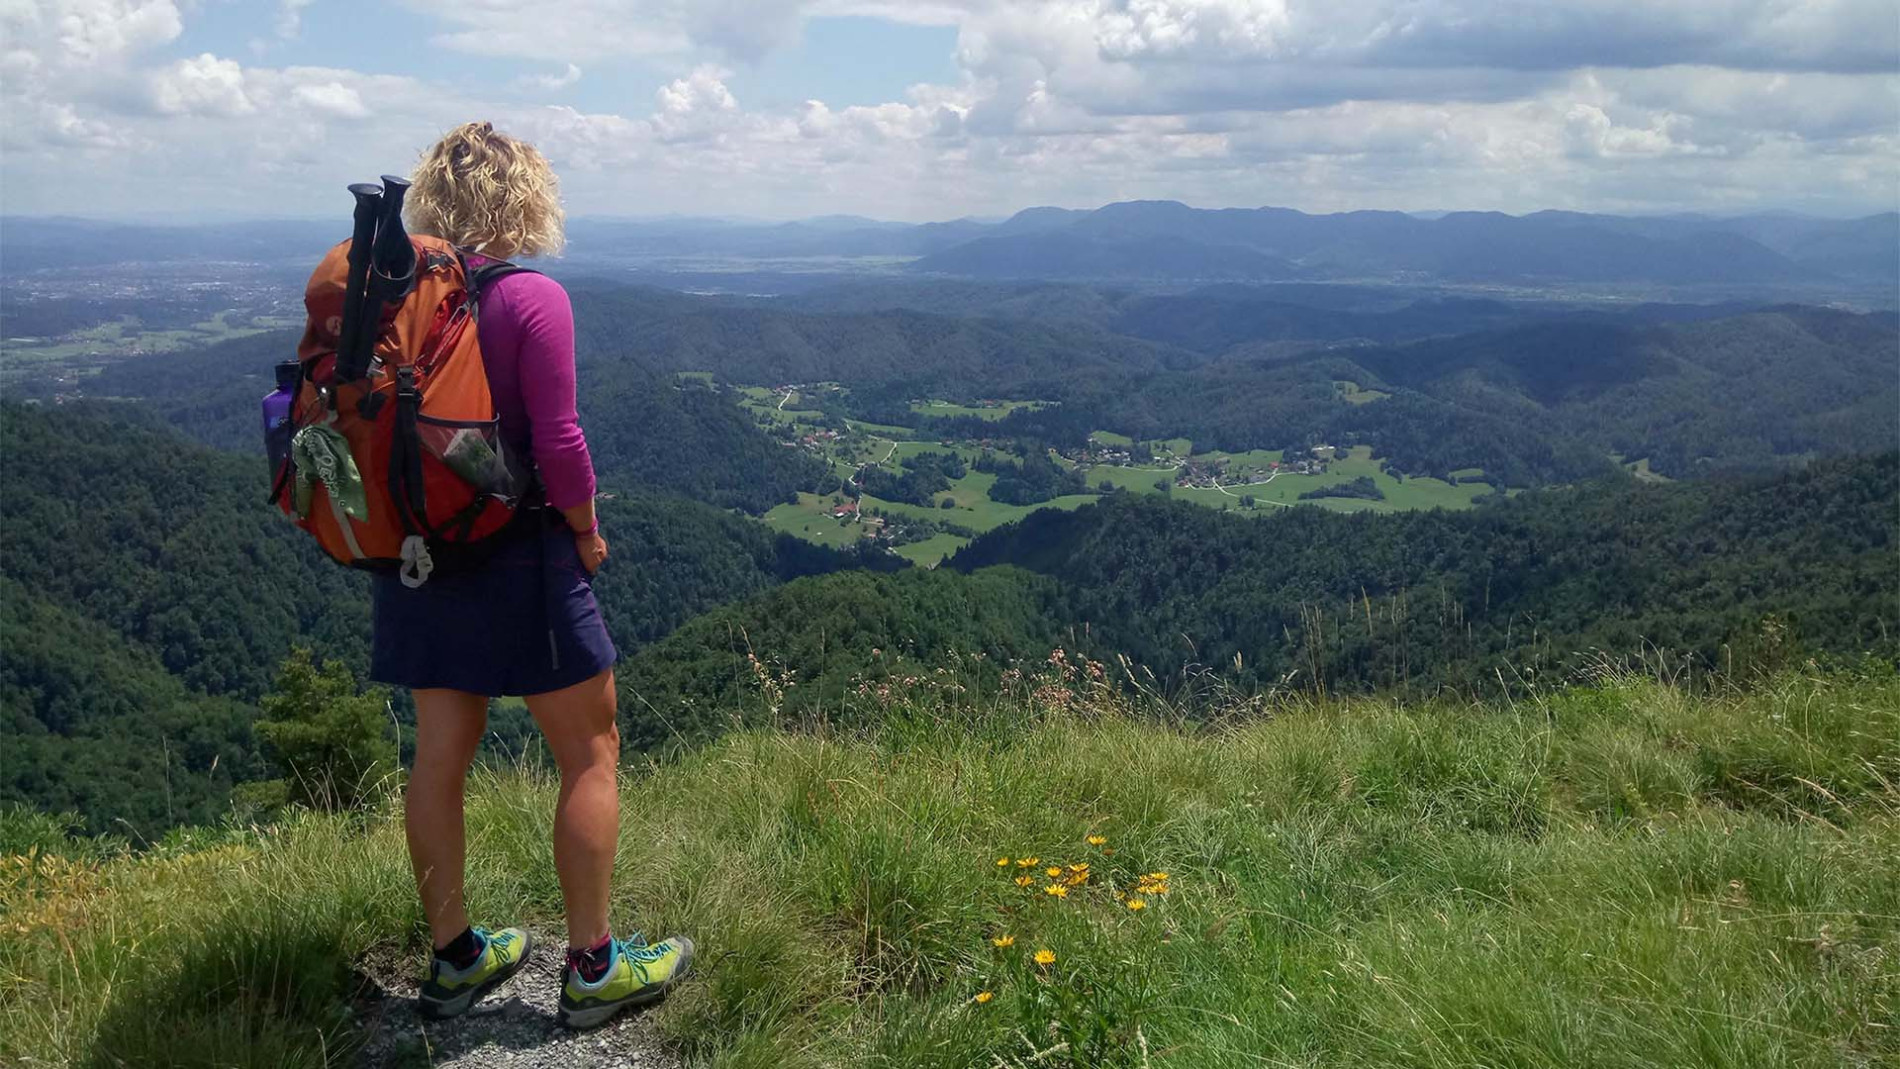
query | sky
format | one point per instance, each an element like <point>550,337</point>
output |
<point>936,109</point>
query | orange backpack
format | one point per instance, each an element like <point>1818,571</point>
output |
<point>394,451</point>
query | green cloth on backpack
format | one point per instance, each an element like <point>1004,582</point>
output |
<point>320,454</point>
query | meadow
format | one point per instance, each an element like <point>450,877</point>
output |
<point>992,411</point>
<point>1627,873</point>
<point>972,507</point>
<point>83,352</point>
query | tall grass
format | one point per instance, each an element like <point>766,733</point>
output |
<point>1620,875</point>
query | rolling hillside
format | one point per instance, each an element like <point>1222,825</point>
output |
<point>145,617</point>
<point>1713,574</point>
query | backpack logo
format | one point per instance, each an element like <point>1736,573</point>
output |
<point>383,436</point>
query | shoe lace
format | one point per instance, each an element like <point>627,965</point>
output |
<point>635,947</point>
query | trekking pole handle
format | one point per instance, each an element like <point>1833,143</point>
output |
<point>369,202</point>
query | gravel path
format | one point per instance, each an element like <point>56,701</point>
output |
<point>513,1028</point>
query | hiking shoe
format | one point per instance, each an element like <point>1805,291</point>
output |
<point>449,992</point>
<point>639,974</point>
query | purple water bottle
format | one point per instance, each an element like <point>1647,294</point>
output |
<point>277,406</point>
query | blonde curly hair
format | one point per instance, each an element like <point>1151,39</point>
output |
<point>487,192</point>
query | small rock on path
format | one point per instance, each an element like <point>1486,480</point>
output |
<point>512,1028</point>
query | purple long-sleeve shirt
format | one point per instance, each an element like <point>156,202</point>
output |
<point>527,331</point>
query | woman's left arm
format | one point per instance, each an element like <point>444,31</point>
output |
<point>546,371</point>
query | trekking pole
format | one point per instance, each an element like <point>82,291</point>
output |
<point>392,271</point>
<point>362,236</point>
<point>393,258</point>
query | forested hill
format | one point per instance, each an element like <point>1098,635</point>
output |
<point>1722,574</point>
<point>1456,598</point>
<point>149,595</point>
<point>1533,403</point>
<point>920,351</point>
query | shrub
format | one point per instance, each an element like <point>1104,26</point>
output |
<point>326,738</point>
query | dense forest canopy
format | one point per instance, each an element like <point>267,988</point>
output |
<point>150,595</point>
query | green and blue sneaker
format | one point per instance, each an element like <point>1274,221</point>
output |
<point>449,991</point>
<point>636,975</point>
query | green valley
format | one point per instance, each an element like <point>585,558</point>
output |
<point>815,418</point>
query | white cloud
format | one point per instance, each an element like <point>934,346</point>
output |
<point>332,98</point>
<point>290,17</point>
<point>93,30</point>
<point>548,83</point>
<point>1512,104</point>
<point>203,85</point>
<point>1176,27</point>
<point>701,91</point>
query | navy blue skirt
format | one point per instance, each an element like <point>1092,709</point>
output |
<point>522,622</point>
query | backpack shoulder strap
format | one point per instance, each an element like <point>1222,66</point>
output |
<point>479,279</point>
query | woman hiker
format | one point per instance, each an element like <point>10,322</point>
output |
<point>524,622</point>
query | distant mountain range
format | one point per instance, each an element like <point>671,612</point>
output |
<point>1138,242</point>
<point>1165,239</point>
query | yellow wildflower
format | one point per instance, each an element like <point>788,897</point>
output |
<point>1004,942</point>
<point>1054,871</point>
<point>1045,956</point>
<point>1025,881</point>
<point>1137,904</point>
<point>1079,867</point>
<point>1097,840</point>
<point>1077,880</point>
<point>1057,890</point>
<point>1002,862</point>
<point>1026,862</point>
<point>984,996</point>
<point>1157,875</point>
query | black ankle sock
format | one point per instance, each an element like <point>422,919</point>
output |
<point>592,963</point>
<point>462,950</point>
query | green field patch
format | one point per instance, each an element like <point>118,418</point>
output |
<point>1136,480</point>
<point>980,516</point>
<point>906,450</point>
<point>1253,460</point>
<point>811,520</point>
<point>888,430</point>
<point>929,552</point>
<point>88,350</point>
<point>695,376</point>
<point>1410,493</point>
<point>991,410</point>
<point>1284,489</point>
<point>1111,438</point>
<point>1351,393</point>
<point>1643,472</point>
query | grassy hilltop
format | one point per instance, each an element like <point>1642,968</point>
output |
<point>1626,874</point>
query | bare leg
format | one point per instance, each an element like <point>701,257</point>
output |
<point>449,726</point>
<point>578,722</point>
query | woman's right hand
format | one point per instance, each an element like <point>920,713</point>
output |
<point>592,549</point>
